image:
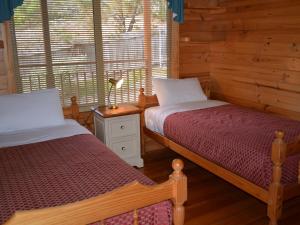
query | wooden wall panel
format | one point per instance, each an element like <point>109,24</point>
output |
<point>194,42</point>
<point>257,64</point>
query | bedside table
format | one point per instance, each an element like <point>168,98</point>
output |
<point>119,129</point>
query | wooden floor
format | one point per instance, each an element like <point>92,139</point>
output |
<point>212,201</point>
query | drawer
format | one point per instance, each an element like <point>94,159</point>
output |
<point>99,129</point>
<point>123,127</point>
<point>126,148</point>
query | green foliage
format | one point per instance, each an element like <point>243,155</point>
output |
<point>26,14</point>
<point>159,10</point>
<point>125,14</point>
<point>122,13</point>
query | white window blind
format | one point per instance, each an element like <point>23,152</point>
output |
<point>77,45</point>
<point>135,44</point>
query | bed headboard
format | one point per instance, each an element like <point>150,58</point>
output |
<point>72,111</point>
<point>146,101</point>
<point>83,118</point>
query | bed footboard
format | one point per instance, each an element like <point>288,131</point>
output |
<point>125,199</point>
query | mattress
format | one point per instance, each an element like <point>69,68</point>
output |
<point>155,116</point>
<point>22,137</point>
<point>236,138</point>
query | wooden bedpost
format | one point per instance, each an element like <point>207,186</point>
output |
<point>179,191</point>
<point>75,108</point>
<point>141,102</point>
<point>279,148</point>
<point>72,111</point>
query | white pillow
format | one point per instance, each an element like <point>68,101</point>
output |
<point>174,91</point>
<point>32,110</point>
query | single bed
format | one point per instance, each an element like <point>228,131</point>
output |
<point>62,174</point>
<point>233,142</point>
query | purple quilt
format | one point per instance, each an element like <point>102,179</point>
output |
<point>67,170</point>
<point>236,138</point>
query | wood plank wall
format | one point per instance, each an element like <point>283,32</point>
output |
<point>258,63</point>
<point>194,43</point>
<point>254,51</point>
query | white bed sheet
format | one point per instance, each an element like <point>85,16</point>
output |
<point>155,116</point>
<point>70,128</point>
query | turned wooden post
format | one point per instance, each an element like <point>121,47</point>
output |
<point>179,191</point>
<point>74,108</point>
<point>279,149</point>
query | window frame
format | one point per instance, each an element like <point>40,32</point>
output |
<point>173,56</point>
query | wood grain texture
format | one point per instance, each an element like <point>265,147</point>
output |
<point>194,42</point>
<point>122,110</point>
<point>279,152</point>
<point>258,62</point>
<point>212,201</point>
<point>250,48</point>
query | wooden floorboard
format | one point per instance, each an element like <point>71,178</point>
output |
<point>213,201</point>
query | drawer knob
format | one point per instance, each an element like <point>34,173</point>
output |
<point>123,148</point>
<point>122,127</point>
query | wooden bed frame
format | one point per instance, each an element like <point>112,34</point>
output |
<point>277,193</point>
<point>72,112</point>
<point>84,118</point>
<point>128,198</point>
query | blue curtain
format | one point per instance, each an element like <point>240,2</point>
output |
<point>7,8</point>
<point>177,7</point>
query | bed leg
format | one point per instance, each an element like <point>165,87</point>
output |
<point>179,191</point>
<point>275,203</point>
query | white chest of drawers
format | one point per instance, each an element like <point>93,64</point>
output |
<point>119,129</point>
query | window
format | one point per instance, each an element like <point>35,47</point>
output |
<point>77,45</point>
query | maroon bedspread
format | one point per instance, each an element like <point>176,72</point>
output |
<point>236,138</point>
<point>67,170</point>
